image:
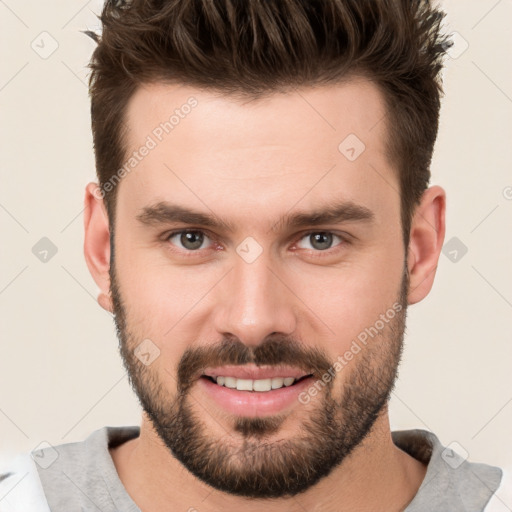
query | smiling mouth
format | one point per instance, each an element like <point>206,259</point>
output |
<point>255,385</point>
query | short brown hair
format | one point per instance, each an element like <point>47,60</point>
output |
<point>256,47</point>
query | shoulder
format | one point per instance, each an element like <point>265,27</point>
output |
<point>452,482</point>
<point>20,486</point>
<point>65,476</point>
<point>501,500</point>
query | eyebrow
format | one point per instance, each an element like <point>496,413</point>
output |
<point>333,213</point>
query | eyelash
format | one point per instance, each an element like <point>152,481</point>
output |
<point>344,240</point>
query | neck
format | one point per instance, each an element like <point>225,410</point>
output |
<point>377,475</point>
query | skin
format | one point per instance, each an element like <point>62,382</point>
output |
<point>250,163</point>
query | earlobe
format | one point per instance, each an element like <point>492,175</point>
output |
<point>426,241</point>
<point>97,243</point>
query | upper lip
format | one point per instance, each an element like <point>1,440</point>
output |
<point>254,372</point>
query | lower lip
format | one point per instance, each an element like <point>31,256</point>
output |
<point>254,403</point>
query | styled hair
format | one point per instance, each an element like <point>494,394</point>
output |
<point>253,48</point>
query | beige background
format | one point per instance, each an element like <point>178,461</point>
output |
<point>60,373</point>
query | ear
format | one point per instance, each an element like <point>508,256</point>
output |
<point>425,243</point>
<point>97,242</point>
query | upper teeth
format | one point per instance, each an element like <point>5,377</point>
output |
<point>254,385</point>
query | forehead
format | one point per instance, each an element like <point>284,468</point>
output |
<point>207,148</point>
<point>355,105</point>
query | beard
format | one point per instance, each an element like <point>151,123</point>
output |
<point>247,461</point>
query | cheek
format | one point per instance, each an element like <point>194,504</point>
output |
<point>164,303</point>
<point>351,299</point>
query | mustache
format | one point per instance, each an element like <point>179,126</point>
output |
<point>275,350</point>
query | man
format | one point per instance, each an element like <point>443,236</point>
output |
<point>261,223</point>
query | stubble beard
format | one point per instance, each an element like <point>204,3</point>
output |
<point>249,459</point>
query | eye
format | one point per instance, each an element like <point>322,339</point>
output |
<point>319,240</point>
<point>190,240</point>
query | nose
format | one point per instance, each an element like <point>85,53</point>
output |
<point>254,302</point>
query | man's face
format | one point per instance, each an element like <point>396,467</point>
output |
<point>259,293</point>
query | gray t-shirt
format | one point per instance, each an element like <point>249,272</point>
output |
<point>81,476</point>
